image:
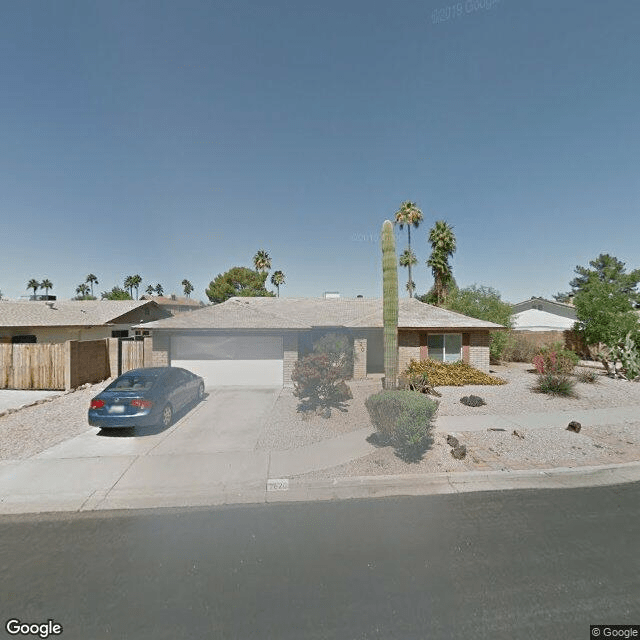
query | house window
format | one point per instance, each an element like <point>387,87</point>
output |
<point>445,347</point>
<point>26,339</point>
<point>124,333</point>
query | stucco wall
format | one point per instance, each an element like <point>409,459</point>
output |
<point>290,345</point>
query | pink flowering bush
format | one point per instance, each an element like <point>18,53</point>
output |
<point>555,360</point>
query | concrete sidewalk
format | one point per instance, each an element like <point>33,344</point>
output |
<point>58,480</point>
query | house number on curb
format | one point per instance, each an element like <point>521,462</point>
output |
<point>278,484</point>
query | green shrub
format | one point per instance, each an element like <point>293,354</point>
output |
<point>556,384</point>
<point>318,382</point>
<point>587,375</point>
<point>519,348</point>
<point>339,348</point>
<point>555,360</point>
<point>403,419</point>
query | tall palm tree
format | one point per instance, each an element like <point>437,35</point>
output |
<point>408,259</point>
<point>82,290</point>
<point>46,284</point>
<point>408,214</point>
<point>159,289</point>
<point>33,284</point>
<point>150,290</point>
<point>443,245</point>
<point>136,283</point>
<point>262,261</point>
<point>128,284</point>
<point>188,287</point>
<point>91,279</point>
<point>277,279</point>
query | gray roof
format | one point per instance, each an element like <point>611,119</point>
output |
<point>306,313</point>
<point>66,312</point>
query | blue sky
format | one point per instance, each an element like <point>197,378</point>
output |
<point>175,139</point>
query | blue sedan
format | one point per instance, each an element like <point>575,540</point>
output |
<point>145,397</point>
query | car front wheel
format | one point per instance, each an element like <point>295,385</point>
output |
<point>167,416</point>
<point>200,392</point>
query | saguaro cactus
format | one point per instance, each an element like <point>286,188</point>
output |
<point>390,305</point>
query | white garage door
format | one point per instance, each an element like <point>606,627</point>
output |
<point>251,360</point>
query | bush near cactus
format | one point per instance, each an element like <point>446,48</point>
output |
<point>555,360</point>
<point>318,383</point>
<point>403,419</point>
<point>453,374</point>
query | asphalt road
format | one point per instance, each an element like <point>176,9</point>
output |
<point>517,565</point>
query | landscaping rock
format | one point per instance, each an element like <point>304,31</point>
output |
<point>459,452</point>
<point>518,434</point>
<point>452,441</point>
<point>472,401</point>
<point>574,426</point>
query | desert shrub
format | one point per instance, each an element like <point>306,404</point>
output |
<point>587,376</point>
<point>556,384</point>
<point>339,348</point>
<point>317,382</point>
<point>519,348</point>
<point>454,374</point>
<point>472,401</point>
<point>403,419</point>
<point>555,360</point>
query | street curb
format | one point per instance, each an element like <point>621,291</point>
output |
<point>280,490</point>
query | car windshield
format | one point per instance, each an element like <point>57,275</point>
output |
<point>132,383</point>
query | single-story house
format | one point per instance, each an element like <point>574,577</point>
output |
<point>62,320</point>
<point>540,314</point>
<point>175,304</point>
<point>256,341</point>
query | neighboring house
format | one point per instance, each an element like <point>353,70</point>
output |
<point>540,314</point>
<point>256,341</point>
<point>174,304</point>
<point>59,321</point>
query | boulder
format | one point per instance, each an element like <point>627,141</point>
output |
<point>574,426</point>
<point>459,452</point>
<point>452,441</point>
<point>518,434</point>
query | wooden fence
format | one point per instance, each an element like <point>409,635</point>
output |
<point>132,355</point>
<point>32,366</point>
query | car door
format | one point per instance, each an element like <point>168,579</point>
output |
<point>181,384</point>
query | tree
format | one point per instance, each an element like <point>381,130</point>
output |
<point>33,284</point>
<point>277,279</point>
<point>91,280</point>
<point>188,287</point>
<point>238,281</point>
<point>483,303</point>
<point>82,291</point>
<point>408,214</point>
<point>128,284</point>
<point>150,290</point>
<point>159,289</point>
<point>607,270</point>
<point>262,261</point>
<point>443,246</point>
<point>46,284</point>
<point>408,259</point>
<point>136,280</point>
<point>116,294</point>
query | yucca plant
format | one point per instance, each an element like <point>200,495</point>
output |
<point>556,385</point>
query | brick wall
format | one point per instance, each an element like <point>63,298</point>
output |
<point>359,357</point>
<point>479,350</point>
<point>290,344</point>
<point>408,348</point>
<point>160,352</point>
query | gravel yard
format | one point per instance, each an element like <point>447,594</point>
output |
<point>487,450</point>
<point>31,430</point>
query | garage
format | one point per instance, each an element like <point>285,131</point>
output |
<point>231,360</point>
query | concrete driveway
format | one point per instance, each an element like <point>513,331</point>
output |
<point>228,419</point>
